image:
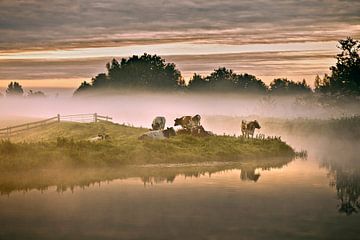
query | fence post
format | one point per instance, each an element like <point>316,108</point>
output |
<point>58,117</point>
<point>95,117</point>
<point>8,133</point>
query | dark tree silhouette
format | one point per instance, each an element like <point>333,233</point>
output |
<point>223,79</point>
<point>249,83</point>
<point>345,75</point>
<point>284,86</point>
<point>36,94</point>
<point>100,81</point>
<point>144,72</point>
<point>198,83</point>
<point>84,87</point>
<point>14,89</point>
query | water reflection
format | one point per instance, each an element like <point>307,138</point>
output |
<point>345,178</point>
<point>67,179</point>
<point>249,175</point>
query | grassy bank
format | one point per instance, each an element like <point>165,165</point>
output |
<point>66,144</point>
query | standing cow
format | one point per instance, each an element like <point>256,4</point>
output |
<point>158,123</point>
<point>243,127</point>
<point>188,122</point>
<point>248,129</point>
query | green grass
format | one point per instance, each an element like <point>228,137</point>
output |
<point>67,145</point>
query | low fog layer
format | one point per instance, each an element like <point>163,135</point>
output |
<point>220,113</point>
<point>139,109</point>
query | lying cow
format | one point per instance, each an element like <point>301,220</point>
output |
<point>198,131</point>
<point>158,123</point>
<point>188,122</point>
<point>248,129</point>
<point>158,134</point>
<point>99,137</point>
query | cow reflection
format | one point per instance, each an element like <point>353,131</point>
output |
<point>249,175</point>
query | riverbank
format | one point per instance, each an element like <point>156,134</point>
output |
<point>67,145</point>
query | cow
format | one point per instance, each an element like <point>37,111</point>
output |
<point>243,127</point>
<point>158,123</point>
<point>158,134</point>
<point>197,131</point>
<point>188,122</point>
<point>99,137</point>
<point>249,175</point>
<point>248,129</point>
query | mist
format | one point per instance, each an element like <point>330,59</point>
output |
<point>139,109</point>
<point>221,114</point>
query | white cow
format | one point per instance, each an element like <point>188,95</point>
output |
<point>158,123</point>
<point>158,134</point>
<point>99,137</point>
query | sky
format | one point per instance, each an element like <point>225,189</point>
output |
<point>60,43</point>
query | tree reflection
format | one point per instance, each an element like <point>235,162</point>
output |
<point>70,179</point>
<point>346,179</point>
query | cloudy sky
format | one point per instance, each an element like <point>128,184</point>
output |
<point>58,43</point>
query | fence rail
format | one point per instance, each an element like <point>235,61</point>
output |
<point>83,118</point>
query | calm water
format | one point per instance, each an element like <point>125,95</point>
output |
<point>303,199</point>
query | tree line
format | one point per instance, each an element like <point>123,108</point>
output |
<point>151,72</point>
<point>14,89</point>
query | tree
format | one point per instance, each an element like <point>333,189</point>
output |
<point>198,83</point>
<point>100,81</point>
<point>144,72</point>
<point>36,94</point>
<point>14,89</point>
<point>321,85</point>
<point>250,84</point>
<point>284,86</point>
<point>317,83</point>
<point>345,75</point>
<point>221,79</point>
<point>85,86</point>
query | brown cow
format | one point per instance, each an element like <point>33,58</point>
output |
<point>248,128</point>
<point>188,122</point>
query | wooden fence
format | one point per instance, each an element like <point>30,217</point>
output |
<point>83,118</point>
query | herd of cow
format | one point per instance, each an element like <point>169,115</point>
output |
<point>190,125</point>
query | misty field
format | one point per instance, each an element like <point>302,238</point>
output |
<point>67,144</point>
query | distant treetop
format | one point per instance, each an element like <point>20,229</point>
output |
<point>285,86</point>
<point>144,72</point>
<point>14,89</point>
<point>223,79</point>
<point>36,94</point>
<point>344,79</point>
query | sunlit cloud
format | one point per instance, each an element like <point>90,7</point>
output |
<point>44,25</point>
<point>265,64</point>
<point>73,39</point>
